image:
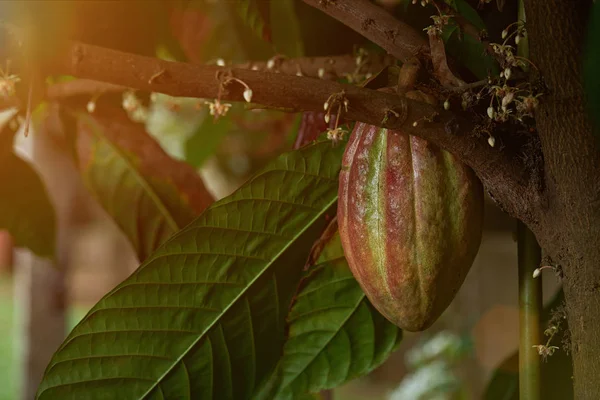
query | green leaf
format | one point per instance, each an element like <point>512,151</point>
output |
<point>287,35</point>
<point>256,14</point>
<point>468,12</point>
<point>148,194</point>
<point>335,334</point>
<point>556,371</point>
<point>204,316</point>
<point>469,51</point>
<point>592,68</point>
<point>27,212</point>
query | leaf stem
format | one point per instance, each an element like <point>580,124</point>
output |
<point>530,306</point>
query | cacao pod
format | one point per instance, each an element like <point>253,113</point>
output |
<point>410,218</point>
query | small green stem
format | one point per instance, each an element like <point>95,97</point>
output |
<point>530,306</point>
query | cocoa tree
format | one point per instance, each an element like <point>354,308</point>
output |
<point>225,302</point>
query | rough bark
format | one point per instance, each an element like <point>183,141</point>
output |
<point>570,229</point>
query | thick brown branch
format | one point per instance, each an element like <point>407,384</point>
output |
<point>505,176</point>
<point>333,67</point>
<point>377,25</point>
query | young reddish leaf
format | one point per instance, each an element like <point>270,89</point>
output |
<point>148,194</point>
<point>257,15</point>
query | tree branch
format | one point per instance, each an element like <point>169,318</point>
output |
<point>503,174</point>
<point>333,67</point>
<point>377,25</point>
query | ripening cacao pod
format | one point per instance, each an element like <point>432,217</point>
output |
<point>410,218</point>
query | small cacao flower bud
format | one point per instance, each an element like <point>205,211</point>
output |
<point>491,112</point>
<point>327,118</point>
<point>248,95</point>
<point>537,272</point>
<point>91,106</point>
<point>504,34</point>
<point>517,39</point>
<point>321,72</point>
<point>507,73</point>
<point>492,141</point>
<point>446,105</point>
<point>220,62</point>
<point>507,99</point>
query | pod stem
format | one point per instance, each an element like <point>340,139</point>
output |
<point>530,308</point>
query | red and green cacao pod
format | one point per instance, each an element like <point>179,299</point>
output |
<point>410,218</point>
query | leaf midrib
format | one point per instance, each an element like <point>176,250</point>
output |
<point>354,309</point>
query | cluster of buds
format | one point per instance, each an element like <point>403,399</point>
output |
<point>423,2</point>
<point>337,99</point>
<point>558,316</point>
<point>8,83</point>
<point>361,58</point>
<point>518,33</point>
<point>131,104</point>
<point>527,104</point>
<point>217,109</point>
<point>439,22</point>
<point>336,135</point>
<point>545,351</point>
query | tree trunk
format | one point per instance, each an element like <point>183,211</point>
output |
<point>569,229</point>
<point>40,284</point>
<point>39,295</point>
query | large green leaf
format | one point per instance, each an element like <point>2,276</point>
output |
<point>26,211</point>
<point>204,316</point>
<point>148,194</point>
<point>335,334</point>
